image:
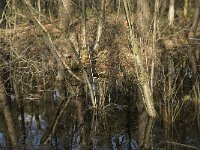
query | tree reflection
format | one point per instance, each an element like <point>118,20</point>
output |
<point>8,118</point>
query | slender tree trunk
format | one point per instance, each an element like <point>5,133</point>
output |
<point>2,12</point>
<point>100,25</point>
<point>141,72</point>
<point>171,12</point>
<point>143,12</point>
<point>13,5</point>
<point>39,8</point>
<point>185,11</point>
<point>142,119</point>
<point>83,21</point>
<point>64,14</point>
<point>163,7</point>
<point>194,26</point>
<point>64,18</point>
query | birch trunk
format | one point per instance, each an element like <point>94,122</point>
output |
<point>100,25</point>
<point>83,21</point>
<point>171,12</point>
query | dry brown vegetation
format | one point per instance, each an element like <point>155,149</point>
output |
<point>157,62</point>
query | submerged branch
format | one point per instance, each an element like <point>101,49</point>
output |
<point>52,128</point>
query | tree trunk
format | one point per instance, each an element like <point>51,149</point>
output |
<point>2,5</point>
<point>185,11</point>
<point>39,8</point>
<point>64,14</point>
<point>100,25</point>
<point>194,26</point>
<point>142,119</point>
<point>83,23</point>
<point>163,7</point>
<point>143,12</point>
<point>171,12</point>
<point>13,5</point>
<point>141,72</point>
<point>2,13</point>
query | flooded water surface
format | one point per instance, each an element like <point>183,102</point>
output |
<point>70,124</point>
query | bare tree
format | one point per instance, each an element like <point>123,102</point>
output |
<point>142,74</point>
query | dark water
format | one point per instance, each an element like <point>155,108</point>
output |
<point>25,124</point>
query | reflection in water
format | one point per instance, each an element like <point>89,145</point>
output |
<point>33,132</point>
<point>2,141</point>
<point>8,118</point>
<point>10,127</point>
<point>121,142</point>
<point>68,125</point>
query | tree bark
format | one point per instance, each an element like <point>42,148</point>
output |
<point>171,12</point>
<point>194,26</point>
<point>143,12</point>
<point>100,25</point>
<point>185,11</point>
<point>13,5</point>
<point>2,13</point>
<point>163,7</point>
<point>141,72</point>
<point>83,22</point>
<point>39,8</point>
<point>64,14</point>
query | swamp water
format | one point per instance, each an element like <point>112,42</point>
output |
<point>71,125</point>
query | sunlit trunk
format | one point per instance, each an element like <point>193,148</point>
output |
<point>39,8</point>
<point>140,68</point>
<point>185,11</point>
<point>171,12</point>
<point>83,23</point>
<point>100,25</point>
